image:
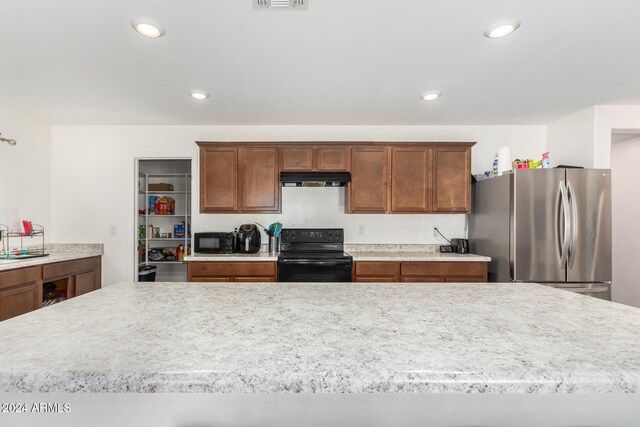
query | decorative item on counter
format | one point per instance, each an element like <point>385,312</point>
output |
<point>495,165</point>
<point>545,161</point>
<point>504,160</point>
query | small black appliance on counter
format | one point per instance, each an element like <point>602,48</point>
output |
<point>213,243</point>
<point>248,239</point>
<point>460,246</point>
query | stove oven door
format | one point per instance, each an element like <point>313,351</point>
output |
<point>307,270</point>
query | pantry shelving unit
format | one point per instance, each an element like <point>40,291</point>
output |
<point>169,267</point>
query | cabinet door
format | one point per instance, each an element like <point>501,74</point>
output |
<point>218,179</point>
<point>452,179</point>
<point>85,282</point>
<point>368,190</point>
<point>411,172</point>
<point>334,159</point>
<point>297,159</point>
<point>20,292</point>
<point>260,176</point>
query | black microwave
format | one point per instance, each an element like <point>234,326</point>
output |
<point>213,243</point>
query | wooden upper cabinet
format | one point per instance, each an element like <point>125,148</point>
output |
<point>368,190</point>
<point>386,178</point>
<point>218,179</point>
<point>452,179</point>
<point>335,159</point>
<point>411,175</point>
<point>322,159</point>
<point>260,176</point>
<point>297,159</point>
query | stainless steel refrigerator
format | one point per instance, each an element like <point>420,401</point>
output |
<point>550,226</point>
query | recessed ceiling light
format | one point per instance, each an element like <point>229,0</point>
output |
<point>502,29</point>
<point>147,27</point>
<point>430,96</point>
<point>198,94</point>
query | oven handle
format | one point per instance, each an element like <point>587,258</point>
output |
<point>312,262</point>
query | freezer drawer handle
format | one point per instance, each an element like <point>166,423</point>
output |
<point>565,224</point>
<point>574,224</point>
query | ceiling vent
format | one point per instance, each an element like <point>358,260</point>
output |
<point>281,4</point>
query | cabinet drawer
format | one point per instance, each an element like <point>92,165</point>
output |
<point>376,279</point>
<point>20,276</point>
<point>376,268</point>
<point>424,279</point>
<point>455,269</point>
<point>232,269</point>
<point>67,268</point>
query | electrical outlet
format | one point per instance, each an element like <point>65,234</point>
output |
<point>435,231</point>
<point>112,230</point>
<point>361,230</point>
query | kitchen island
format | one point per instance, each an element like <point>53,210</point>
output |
<point>324,338</point>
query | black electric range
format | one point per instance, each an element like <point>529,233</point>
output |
<point>313,255</point>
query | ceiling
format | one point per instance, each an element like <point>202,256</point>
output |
<point>341,62</point>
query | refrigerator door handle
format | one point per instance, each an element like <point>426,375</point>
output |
<point>566,223</point>
<point>574,224</point>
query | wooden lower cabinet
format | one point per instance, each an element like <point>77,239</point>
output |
<point>21,289</point>
<point>232,271</point>
<point>81,275</point>
<point>419,271</point>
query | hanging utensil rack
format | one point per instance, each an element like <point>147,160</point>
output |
<point>17,245</point>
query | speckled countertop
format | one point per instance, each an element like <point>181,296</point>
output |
<point>57,253</point>
<point>362,252</point>
<point>417,256</point>
<point>345,338</point>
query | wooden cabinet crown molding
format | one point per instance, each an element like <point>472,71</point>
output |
<point>299,144</point>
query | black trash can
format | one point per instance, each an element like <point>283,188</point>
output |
<point>147,273</point>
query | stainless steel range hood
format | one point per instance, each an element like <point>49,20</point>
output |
<point>314,179</point>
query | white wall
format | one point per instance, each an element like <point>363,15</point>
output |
<point>571,140</point>
<point>609,118</point>
<point>93,181</point>
<point>25,168</point>
<point>626,227</point>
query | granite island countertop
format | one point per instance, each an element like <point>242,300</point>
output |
<point>57,253</point>
<point>329,337</point>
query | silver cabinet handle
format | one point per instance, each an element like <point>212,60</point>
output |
<point>574,224</point>
<point>564,251</point>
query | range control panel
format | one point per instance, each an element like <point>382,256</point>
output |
<point>313,235</point>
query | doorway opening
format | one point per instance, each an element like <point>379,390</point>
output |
<point>625,204</point>
<point>162,219</point>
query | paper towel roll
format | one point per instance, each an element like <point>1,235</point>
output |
<point>504,160</point>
